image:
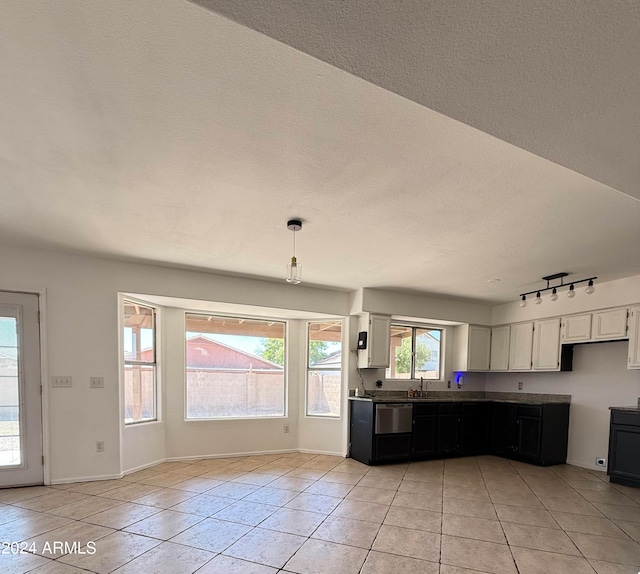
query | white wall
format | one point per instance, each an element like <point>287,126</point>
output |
<point>599,379</point>
<point>82,341</point>
<point>420,306</point>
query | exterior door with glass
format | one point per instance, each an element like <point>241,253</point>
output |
<point>21,461</point>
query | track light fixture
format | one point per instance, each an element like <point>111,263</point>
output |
<point>554,289</point>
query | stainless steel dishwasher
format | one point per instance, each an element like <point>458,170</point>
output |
<point>392,418</point>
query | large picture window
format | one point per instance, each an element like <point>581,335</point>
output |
<point>140,363</point>
<point>324,368</point>
<point>235,367</point>
<point>415,353</point>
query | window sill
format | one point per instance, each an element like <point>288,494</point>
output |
<point>142,423</point>
<point>200,420</point>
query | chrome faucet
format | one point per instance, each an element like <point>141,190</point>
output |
<point>421,391</point>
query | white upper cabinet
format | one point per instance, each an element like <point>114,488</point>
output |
<point>634,337</point>
<point>378,329</point>
<point>576,328</point>
<point>609,324</point>
<point>500,348</point>
<point>605,325</point>
<point>521,347</point>
<point>472,344</point>
<point>546,345</point>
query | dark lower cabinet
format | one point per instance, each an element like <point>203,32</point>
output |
<point>361,431</point>
<point>425,429</point>
<point>474,428</point>
<point>532,433</point>
<point>529,437</point>
<point>370,448</point>
<point>449,419</point>
<point>536,434</point>
<point>624,447</point>
<point>544,441</point>
<point>504,428</point>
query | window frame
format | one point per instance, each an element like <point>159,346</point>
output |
<point>415,327</point>
<point>285,366</point>
<point>307,368</point>
<point>155,363</point>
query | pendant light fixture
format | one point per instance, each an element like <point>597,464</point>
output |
<point>294,269</point>
<point>571,293</point>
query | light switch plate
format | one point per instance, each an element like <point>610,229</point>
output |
<point>61,382</point>
<point>96,382</point>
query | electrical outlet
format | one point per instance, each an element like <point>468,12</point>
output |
<point>601,462</point>
<point>61,382</point>
<point>286,428</point>
<point>100,446</point>
<point>96,382</point>
<point>520,385</point>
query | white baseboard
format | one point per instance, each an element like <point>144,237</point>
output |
<point>229,455</point>
<point>87,479</point>
<point>251,453</point>
<point>188,458</point>
<point>587,466</point>
<point>143,466</point>
<point>325,452</point>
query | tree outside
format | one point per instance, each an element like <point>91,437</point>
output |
<point>273,350</point>
<point>403,355</point>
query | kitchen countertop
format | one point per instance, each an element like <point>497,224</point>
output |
<point>626,409</point>
<point>516,398</point>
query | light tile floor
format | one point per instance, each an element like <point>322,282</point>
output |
<point>311,514</point>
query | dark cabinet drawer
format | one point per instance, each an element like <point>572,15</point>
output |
<point>425,409</point>
<point>392,446</point>
<point>625,418</point>
<point>534,411</point>
<point>450,408</point>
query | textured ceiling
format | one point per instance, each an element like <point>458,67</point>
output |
<point>559,79</point>
<point>162,132</point>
